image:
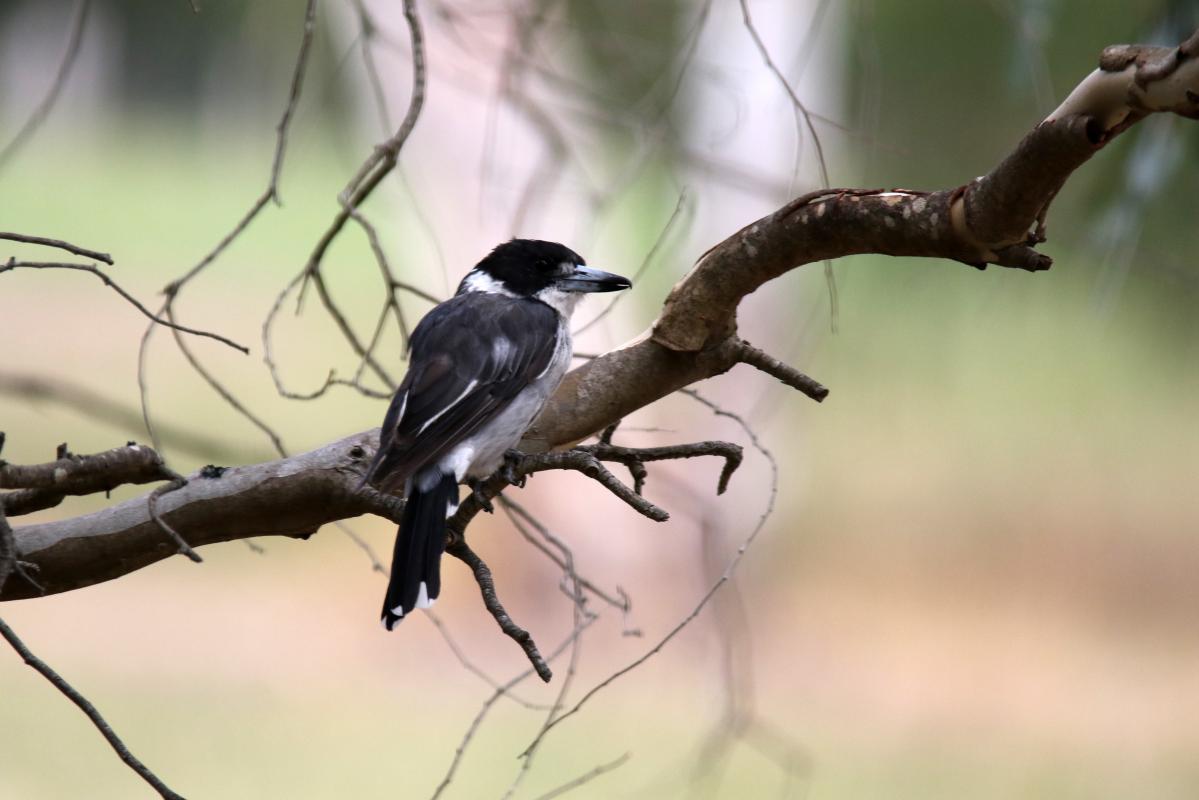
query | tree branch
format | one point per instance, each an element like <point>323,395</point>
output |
<point>45,485</point>
<point>995,219</point>
<point>461,550</point>
<point>60,244</point>
<point>289,497</point>
<point>12,264</point>
<point>986,221</point>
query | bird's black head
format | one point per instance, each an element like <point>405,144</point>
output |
<point>532,268</point>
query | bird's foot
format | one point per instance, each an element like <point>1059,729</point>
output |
<point>476,490</point>
<point>511,469</point>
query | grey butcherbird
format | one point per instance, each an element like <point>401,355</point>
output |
<point>481,366</point>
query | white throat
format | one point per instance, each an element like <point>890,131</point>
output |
<point>562,302</point>
<point>476,281</point>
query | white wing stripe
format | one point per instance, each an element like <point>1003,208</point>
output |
<point>403,407</point>
<point>457,400</point>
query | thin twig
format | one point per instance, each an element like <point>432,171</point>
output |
<point>760,359</point>
<point>173,289</point>
<point>578,459</point>
<point>293,99</point>
<point>461,550</point>
<point>60,244</point>
<point>12,263</point>
<point>281,130</point>
<point>645,262</point>
<point>381,161</point>
<point>586,777</point>
<point>475,669</point>
<point>803,112</point>
<point>376,564</point>
<point>520,517</point>
<point>177,482</point>
<point>580,617</point>
<point>477,722</point>
<point>42,110</point>
<point>635,457</point>
<point>86,706</point>
<point>225,394</point>
<point>384,156</point>
<point>715,587</point>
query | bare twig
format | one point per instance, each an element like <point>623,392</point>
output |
<point>461,550</point>
<point>586,777</point>
<point>635,457</point>
<point>293,99</point>
<point>60,244</point>
<point>225,394</point>
<point>12,263</point>
<point>42,110</point>
<point>802,111</point>
<point>271,192</point>
<point>177,482</point>
<point>748,354</point>
<point>86,706</point>
<point>373,170</point>
<point>474,668</point>
<point>281,130</point>
<point>739,720</point>
<point>715,587</point>
<point>645,262</point>
<point>477,722</point>
<point>581,618</point>
<point>364,545</point>
<point>521,518</point>
<point>578,459</point>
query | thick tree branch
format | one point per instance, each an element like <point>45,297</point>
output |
<point>986,221</point>
<point>995,219</point>
<point>289,497</point>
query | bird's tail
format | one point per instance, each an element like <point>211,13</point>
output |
<point>416,562</point>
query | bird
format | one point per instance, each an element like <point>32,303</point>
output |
<point>481,366</point>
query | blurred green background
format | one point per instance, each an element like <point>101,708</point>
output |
<point>979,580</point>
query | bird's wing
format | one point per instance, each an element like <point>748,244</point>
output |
<point>467,361</point>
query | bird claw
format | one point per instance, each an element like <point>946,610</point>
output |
<point>476,490</point>
<point>510,470</point>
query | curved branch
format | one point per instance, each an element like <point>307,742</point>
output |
<point>995,219</point>
<point>989,220</point>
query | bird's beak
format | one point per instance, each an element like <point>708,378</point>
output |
<point>586,279</point>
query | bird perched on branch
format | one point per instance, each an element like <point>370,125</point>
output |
<point>481,366</point>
